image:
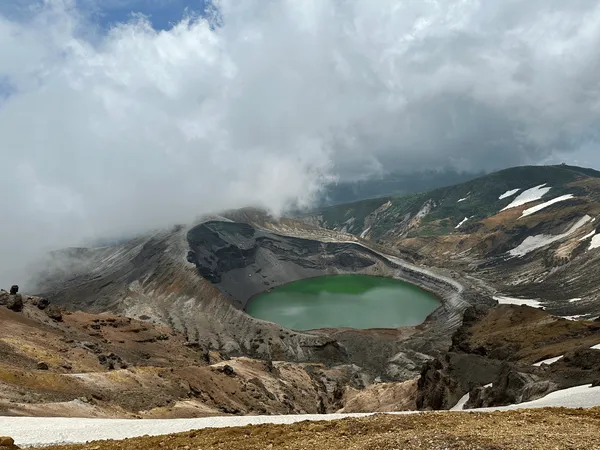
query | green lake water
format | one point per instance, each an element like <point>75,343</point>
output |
<point>356,301</point>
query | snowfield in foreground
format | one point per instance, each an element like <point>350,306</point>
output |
<point>36,431</point>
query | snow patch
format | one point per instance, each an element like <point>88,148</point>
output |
<point>460,405</point>
<point>596,347</point>
<point>508,194</point>
<point>517,301</point>
<point>573,300</point>
<point>548,361</point>
<point>530,195</point>
<point>576,317</point>
<point>461,222</point>
<point>589,235</point>
<point>364,233</point>
<point>462,199</point>
<point>534,209</point>
<point>532,243</point>
<point>595,242</point>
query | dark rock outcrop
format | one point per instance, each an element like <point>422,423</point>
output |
<point>444,381</point>
<point>460,338</point>
<point>111,361</point>
<point>437,388</point>
<point>15,302</point>
<point>511,386</point>
<point>577,367</point>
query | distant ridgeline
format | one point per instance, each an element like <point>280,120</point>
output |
<point>459,207</point>
<point>393,184</point>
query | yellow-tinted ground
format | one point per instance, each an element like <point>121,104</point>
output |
<point>545,429</point>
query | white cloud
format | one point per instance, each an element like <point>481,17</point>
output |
<point>109,133</point>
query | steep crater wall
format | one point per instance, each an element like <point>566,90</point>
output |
<point>242,261</point>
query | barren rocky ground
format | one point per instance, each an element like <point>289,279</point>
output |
<point>90,365</point>
<point>543,429</point>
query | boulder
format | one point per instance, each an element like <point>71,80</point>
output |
<point>405,365</point>
<point>4,296</point>
<point>512,386</point>
<point>54,313</point>
<point>15,302</point>
<point>42,365</point>
<point>43,303</point>
<point>227,370</point>
<point>14,289</point>
<point>7,443</point>
<point>111,361</point>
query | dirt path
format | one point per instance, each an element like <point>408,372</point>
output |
<point>557,428</point>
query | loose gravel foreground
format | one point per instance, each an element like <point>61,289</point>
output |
<point>549,428</point>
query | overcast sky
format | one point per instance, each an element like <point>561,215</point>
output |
<point>113,122</point>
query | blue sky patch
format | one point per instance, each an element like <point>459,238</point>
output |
<point>163,14</point>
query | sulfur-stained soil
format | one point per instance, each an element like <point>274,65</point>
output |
<point>555,428</point>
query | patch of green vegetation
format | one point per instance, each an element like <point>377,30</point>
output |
<point>335,216</point>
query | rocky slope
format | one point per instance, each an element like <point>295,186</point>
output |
<point>495,353</point>
<point>58,363</point>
